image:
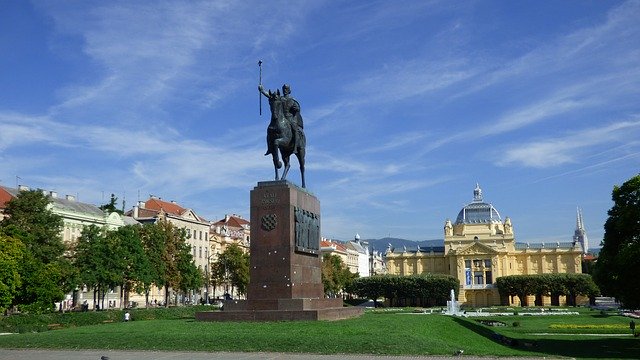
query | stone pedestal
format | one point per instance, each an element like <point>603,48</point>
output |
<point>285,266</point>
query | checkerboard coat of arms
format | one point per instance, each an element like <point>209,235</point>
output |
<point>269,222</point>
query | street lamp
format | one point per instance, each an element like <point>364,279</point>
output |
<point>206,269</point>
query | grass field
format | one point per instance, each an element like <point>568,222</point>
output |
<point>374,333</point>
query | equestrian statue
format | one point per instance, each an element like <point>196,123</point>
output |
<point>285,133</point>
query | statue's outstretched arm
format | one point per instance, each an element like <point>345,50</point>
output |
<point>262,91</point>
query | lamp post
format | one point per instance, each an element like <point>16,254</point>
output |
<point>206,268</point>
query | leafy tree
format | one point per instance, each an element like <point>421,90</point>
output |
<point>619,259</point>
<point>554,285</point>
<point>335,275</point>
<point>111,205</point>
<point>578,284</point>
<point>11,254</point>
<point>132,260</point>
<point>170,257</point>
<point>232,267</point>
<point>191,278</point>
<point>44,272</point>
<point>426,289</point>
<point>153,241</point>
<point>33,222</point>
<point>97,261</point>
<point>372,287</point>
<point>174,241</point>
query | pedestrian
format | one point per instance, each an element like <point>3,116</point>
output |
<point>127,316</point>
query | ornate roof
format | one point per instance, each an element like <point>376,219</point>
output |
<point>478,211</point>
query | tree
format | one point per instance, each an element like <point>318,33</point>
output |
<point>170,258</point>
<point>11,254</point>
<point>619,259</point>
<point>33,222</point>
<point>132,260</point>
<point>232,268</point>
<point>44,272</point>
<point>97,261</point>
<point>335,275</point>
<point>425,289</point>
<point>191,278</point>
<point>540,285</point>
<point>153,241</point>
<point>111,205</point>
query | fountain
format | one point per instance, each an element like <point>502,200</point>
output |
<point>453,308</point>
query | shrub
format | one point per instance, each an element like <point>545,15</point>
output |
<point>516,323</point>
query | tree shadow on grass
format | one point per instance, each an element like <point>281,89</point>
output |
<point>606,347</point>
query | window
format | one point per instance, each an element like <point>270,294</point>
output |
<point>478,278</point>
<point>488,276</point>
<point>200,234</point>
<point>477,263</point>
<point>194,252</point>
<point>200,251</point>
<point>487,263</point>
<point>467,264</point>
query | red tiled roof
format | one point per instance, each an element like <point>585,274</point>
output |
<point>325,243</point>
<point>338,246</point>
<point>168,207</point>
<point>5,197</point>
<point>233,221</point>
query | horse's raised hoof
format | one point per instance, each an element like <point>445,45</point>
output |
<point>279,165</point>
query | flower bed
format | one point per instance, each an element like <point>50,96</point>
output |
<point>590,326</point>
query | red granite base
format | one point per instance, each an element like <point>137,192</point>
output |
<point>286,276</point>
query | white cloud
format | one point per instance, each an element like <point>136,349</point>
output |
<point>566,149</point>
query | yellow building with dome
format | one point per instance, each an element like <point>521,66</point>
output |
<point>480,247</point>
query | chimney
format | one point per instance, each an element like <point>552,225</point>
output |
<point>141,204</point>
<point>226,218</point>
<point>70,198</point>
<point>136,210</point>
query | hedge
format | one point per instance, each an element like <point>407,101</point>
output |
<point>554,285</point>
<point>413,290</point>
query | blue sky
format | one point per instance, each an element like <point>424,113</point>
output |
<point>407,105</point>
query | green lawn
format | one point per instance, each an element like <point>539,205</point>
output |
<point>374,333</point>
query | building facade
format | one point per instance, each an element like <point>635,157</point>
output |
<point>348,255</point>
<point>480,247</point>
<point>233,229</point>
<point>364,268</point>
<point>197,228</point>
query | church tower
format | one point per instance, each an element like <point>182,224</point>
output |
<point>580,235</point>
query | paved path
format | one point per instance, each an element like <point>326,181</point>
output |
<point>6,354</point>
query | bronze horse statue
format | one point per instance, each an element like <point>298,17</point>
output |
<point>284,133</point>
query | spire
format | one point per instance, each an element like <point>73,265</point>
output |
<point>477,194</point>
<point>580,235</point>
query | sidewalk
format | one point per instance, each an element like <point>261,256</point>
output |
<point>43,354</point>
